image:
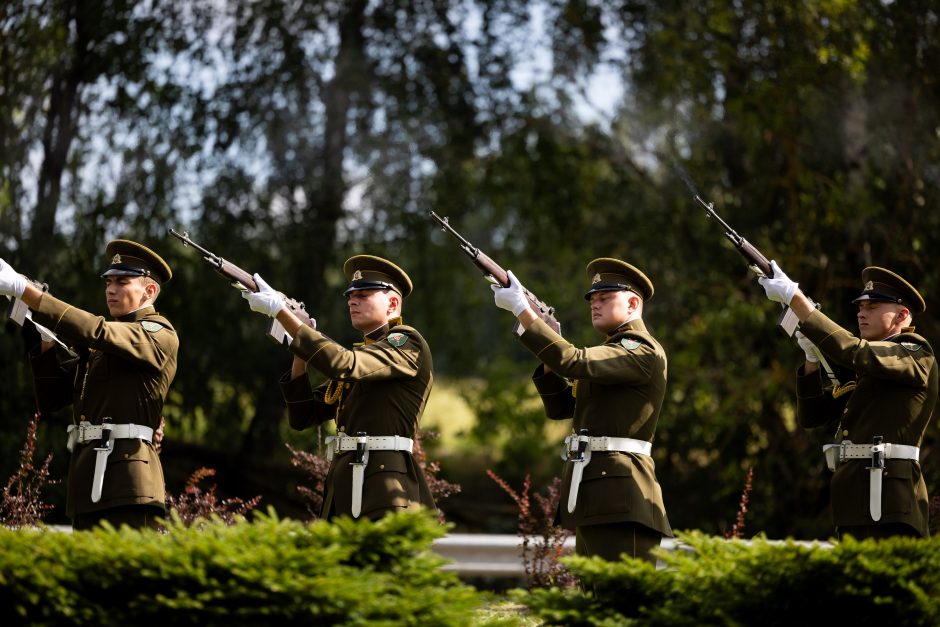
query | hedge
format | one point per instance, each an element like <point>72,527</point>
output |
<point>266,572</point>
<point>721,582</point>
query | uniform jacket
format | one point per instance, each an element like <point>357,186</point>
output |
<point>620,389</point>
<point>894,397</point>
<point>123,372</point>
<point>386,383</point>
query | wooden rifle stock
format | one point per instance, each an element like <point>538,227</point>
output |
<point>495,273</point>
<point>755,258</point>
<point>242,280</point>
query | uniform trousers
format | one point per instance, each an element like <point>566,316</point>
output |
<point>879,531</point>
<point>611,540</point>
<point>134,516</point>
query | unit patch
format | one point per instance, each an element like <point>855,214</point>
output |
<point>630,344</point>
<point>151,326</point>
<point>911,346</point>
<point>397,339</point>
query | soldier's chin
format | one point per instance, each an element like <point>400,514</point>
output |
<point>599,325</point>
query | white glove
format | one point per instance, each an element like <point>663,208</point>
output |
<point>510,298</point>
<point>780,288</point>
<point>12,283</point>
<point>265,300</point>
<point>808,347</point>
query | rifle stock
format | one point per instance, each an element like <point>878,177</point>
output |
<point>492,271</point>
<point>242,280</point>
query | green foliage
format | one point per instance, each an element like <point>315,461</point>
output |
<point>288,136</point>
<point>719,582</point>
<point>266,572</point>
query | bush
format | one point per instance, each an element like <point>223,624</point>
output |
<point>720,582</point>
<point>266,572</point>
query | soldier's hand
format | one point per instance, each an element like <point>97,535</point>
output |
<point>779,288</point>
<point>510,298</point>
<point>265,300</point>
<point>12,283</point>
<point>808,347</point>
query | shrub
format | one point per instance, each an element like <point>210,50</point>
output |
<point>265,572</point>
<point>200,504</point>
<point>21,504</point>
<point>542,541</point>
<point>721,582</point>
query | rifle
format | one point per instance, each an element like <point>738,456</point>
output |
<point>495,274</point>
<point>759,265</point>
<point>241,280</point>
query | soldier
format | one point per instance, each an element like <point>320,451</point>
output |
<point>614,393</point>
<point>115,375</point>
<point>375,392</point>
<point>878,489</point>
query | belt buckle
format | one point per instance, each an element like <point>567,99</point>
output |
<point>578,445</point>
<point>834,455</point>
<point>84,427</point>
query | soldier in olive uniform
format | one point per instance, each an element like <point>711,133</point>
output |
<point>878,488</point>
<point>614,393</point>
<point>375,392</point>
<point>116,375</point>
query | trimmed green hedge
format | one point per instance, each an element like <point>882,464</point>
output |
<point>267,572</point>
<point>721,582</point>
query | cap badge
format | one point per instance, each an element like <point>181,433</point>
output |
<point>596,278</point>
<point>869,286</point>
<point>357,275</point>
<point>116,259</point>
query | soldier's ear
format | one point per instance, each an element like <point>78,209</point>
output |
<point>152,289</point>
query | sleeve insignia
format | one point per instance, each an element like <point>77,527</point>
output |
<point>397,339</point>
<point>630,344</point>
<point>151,326</point>
<point>912,346</point>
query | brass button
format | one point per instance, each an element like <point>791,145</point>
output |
<point>845,432</point>
<point>342,428</point>
<point>126,455</point>
<point>381,466</point>
<point>603,472</point>
<point>82,417</point>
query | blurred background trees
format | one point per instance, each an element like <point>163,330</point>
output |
<point>288,135</point>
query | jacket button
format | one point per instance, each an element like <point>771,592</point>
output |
<point>126,455</point>
<point>845,432</point>
<point>603,472</point>
<point>381,466</point>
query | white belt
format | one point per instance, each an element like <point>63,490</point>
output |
<point>362,444</point>
<point>85,432</point>
<point>837,453</point>
<point>578,448</point>
<point>876,453</point>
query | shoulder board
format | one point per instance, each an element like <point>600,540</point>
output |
<point>396,339</point>
<point>151,326</point>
